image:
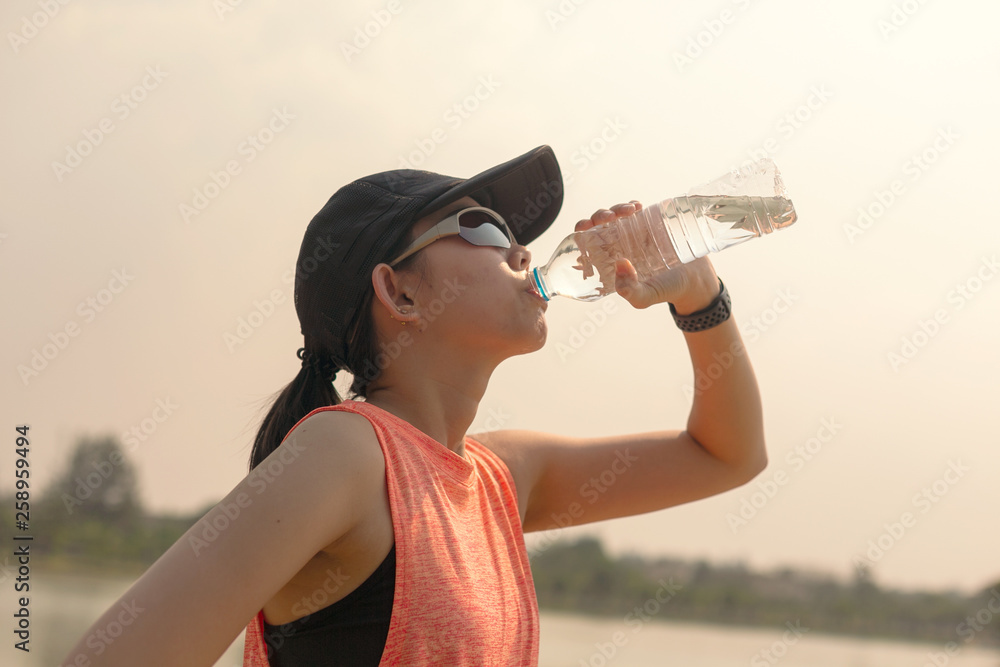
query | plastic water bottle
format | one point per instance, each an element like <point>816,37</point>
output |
<point>734,208</point>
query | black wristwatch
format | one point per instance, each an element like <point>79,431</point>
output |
<point>712,315</point>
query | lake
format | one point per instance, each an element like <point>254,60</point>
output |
<point>63,607</point>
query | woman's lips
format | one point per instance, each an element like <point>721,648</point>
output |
<point>534,292</point>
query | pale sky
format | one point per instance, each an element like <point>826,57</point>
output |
<point>897,119</point>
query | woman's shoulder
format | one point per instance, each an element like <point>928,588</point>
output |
<point>334,417</point>
<point>339,432</point>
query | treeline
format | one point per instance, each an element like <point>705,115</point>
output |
<point>580,577</point>
<point>91,518</point>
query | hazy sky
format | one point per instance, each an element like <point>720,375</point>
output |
<point>128,250</point>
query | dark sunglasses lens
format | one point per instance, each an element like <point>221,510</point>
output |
<point>480,228</point>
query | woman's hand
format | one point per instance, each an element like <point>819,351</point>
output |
<point>690,287</point>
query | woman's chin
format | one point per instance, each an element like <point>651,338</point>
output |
<point>541,335</point>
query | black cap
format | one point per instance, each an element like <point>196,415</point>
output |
<point>363,219</point>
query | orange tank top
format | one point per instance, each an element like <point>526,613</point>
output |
<point>464,593</point>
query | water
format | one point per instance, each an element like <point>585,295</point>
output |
<point>63,607</point>
<point>568,640</point>
<point>658,238</point>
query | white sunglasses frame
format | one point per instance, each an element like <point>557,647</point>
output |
<point>451,227</point>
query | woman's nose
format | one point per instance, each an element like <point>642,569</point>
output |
<point>521,257</point>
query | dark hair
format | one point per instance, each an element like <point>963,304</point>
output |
<point>308,390</point>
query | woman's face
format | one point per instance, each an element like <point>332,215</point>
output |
<point>478,296</point>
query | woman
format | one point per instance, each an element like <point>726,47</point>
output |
<point>378,532</point>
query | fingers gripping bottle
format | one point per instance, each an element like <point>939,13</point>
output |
<point>744,204</point>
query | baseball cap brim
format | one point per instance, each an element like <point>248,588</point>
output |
<point>527,191</point>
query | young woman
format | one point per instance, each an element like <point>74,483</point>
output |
<point>377,531</point>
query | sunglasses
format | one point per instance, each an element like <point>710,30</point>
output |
<point>477,225</point>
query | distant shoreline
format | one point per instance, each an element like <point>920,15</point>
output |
<point>62,568</point>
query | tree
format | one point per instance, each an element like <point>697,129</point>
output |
<point>99,482</point>
<point>93,506</point>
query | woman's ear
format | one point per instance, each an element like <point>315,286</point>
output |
<point>394,290</point>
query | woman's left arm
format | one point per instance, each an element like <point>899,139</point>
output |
<point>571,481</point>
<point>726,417</point>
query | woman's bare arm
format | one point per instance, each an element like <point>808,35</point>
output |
<point>190,605</point>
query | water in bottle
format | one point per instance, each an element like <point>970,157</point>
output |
<point>734,208</point>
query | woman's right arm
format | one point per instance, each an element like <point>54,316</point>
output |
<point>190,605</point>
